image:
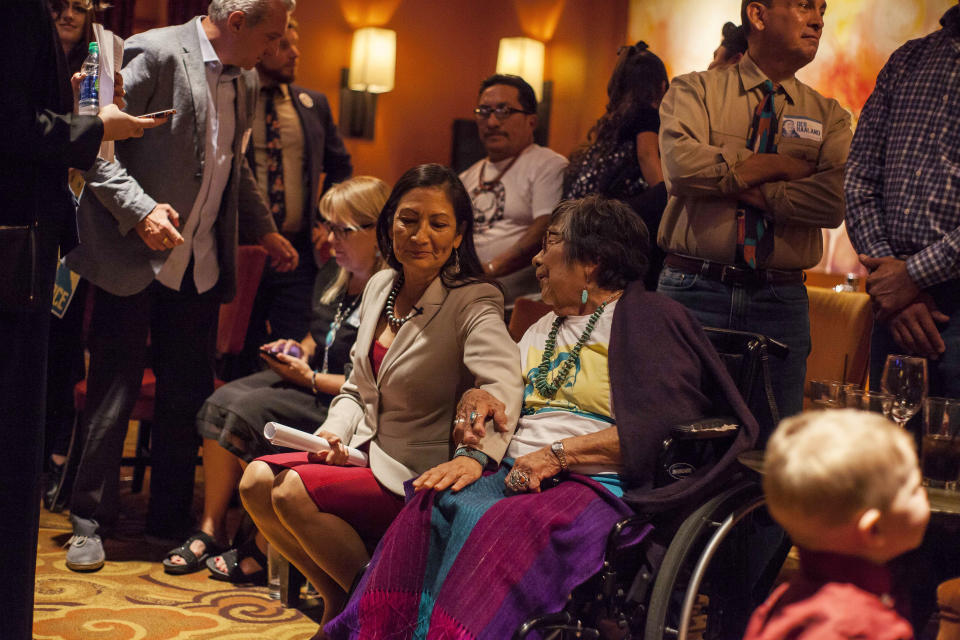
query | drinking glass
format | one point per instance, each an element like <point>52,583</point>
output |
<point>825,394</point>
<point>940,446</point>
<point>869,401</point>
<point>905,378</point>
<point>274,560</point>
<point>844,390</point>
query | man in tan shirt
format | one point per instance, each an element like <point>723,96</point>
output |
<point>706,118</point>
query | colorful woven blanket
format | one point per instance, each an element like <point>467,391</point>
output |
<point>477,563</point>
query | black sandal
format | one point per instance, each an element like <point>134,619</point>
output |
<point>193,562</point>
<point>233,558</point>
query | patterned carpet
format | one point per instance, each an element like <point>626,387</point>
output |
<point>131,598</point>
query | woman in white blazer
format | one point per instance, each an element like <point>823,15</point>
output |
<point>430,329</point>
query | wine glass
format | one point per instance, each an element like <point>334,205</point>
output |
<point>905,378</point>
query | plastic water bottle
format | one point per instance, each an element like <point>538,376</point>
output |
<point>90,85</point>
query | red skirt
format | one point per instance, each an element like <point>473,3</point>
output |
<point>351,493</point>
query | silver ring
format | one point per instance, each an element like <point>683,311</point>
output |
<point>460,419</point>
<point>518,480</point>
<point>473,416</point>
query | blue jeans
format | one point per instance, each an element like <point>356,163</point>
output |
<point>944,372</point>
<point>777,311</point>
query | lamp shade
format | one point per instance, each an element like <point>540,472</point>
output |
<point>373,60</point>
<point>523,57</point>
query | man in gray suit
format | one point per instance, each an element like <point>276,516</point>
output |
<point>158,238</point>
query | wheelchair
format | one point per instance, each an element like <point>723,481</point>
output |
<point>720,558</point>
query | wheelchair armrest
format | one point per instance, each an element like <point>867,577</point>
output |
<point>693,445</point>
<point>705,428</point>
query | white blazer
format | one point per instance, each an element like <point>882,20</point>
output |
<point>406,412</point>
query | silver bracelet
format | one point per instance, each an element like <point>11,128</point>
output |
<point>476,454</point>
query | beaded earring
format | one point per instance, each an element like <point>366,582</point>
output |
<point>583,297</point>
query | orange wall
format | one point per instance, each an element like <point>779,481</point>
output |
<point>444,49</point>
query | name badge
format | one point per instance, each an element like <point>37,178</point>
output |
<point>354,319</point>
<point>798,127</point>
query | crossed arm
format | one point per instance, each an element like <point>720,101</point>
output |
<point>791,190</point>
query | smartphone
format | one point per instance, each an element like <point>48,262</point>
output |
<point>166,113</point>
<point>270,354</point>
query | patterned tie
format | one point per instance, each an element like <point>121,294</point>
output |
<point>754,232</point>
<point>275,191</point>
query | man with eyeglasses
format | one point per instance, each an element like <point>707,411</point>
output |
<point>747,199</point>
<point>514,188</point>
<point>294,142</point>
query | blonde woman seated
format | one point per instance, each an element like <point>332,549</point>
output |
<point>302,379</point>
<point>430,328</point>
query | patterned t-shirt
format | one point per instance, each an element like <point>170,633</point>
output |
<point>582,404</point>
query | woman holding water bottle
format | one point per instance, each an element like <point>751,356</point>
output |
<point>431,328</point>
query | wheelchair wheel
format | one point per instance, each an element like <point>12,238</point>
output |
<point>718,568</point>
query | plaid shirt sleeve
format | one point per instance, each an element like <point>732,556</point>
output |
<point>937,263</point>
<point>863,182</point>
<point>902,171</point>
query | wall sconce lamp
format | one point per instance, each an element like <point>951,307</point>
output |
<point>373,63</point>
<point>524,57</point>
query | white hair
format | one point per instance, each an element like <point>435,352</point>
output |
<point>255,10</point>
<point>833,464</point>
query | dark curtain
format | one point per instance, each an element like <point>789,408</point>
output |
<point>179,11</point>
<point>119,17</point>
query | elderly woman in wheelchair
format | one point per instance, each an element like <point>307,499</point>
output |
<point>608,374</point>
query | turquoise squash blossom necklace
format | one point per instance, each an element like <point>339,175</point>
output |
<point>549,389</point>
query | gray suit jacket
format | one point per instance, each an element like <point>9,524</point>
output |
<point>164,68</point>
<point>406,412</point>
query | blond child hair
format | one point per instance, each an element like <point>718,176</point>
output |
<point>829,466</point>
<point>355,202</point>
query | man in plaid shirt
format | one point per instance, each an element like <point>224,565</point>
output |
<point>903,204</point>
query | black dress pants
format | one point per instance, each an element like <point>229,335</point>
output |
<point>182,328</point>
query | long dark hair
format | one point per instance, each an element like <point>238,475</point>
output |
<point>78,53</point>
<point>439,177</point>
<point>639,80</point>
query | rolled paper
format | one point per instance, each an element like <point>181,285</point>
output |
<point>284,436</point>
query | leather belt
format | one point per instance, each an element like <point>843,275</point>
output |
<point>733,275</point>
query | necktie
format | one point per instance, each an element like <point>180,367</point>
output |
<point>275,191</point>
<point>754,231</point>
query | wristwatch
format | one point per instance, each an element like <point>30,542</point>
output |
<point>557,449</point>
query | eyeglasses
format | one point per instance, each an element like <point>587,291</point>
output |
<point>501,111</point>
<point>550,238</point>
<point>343,230</point>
